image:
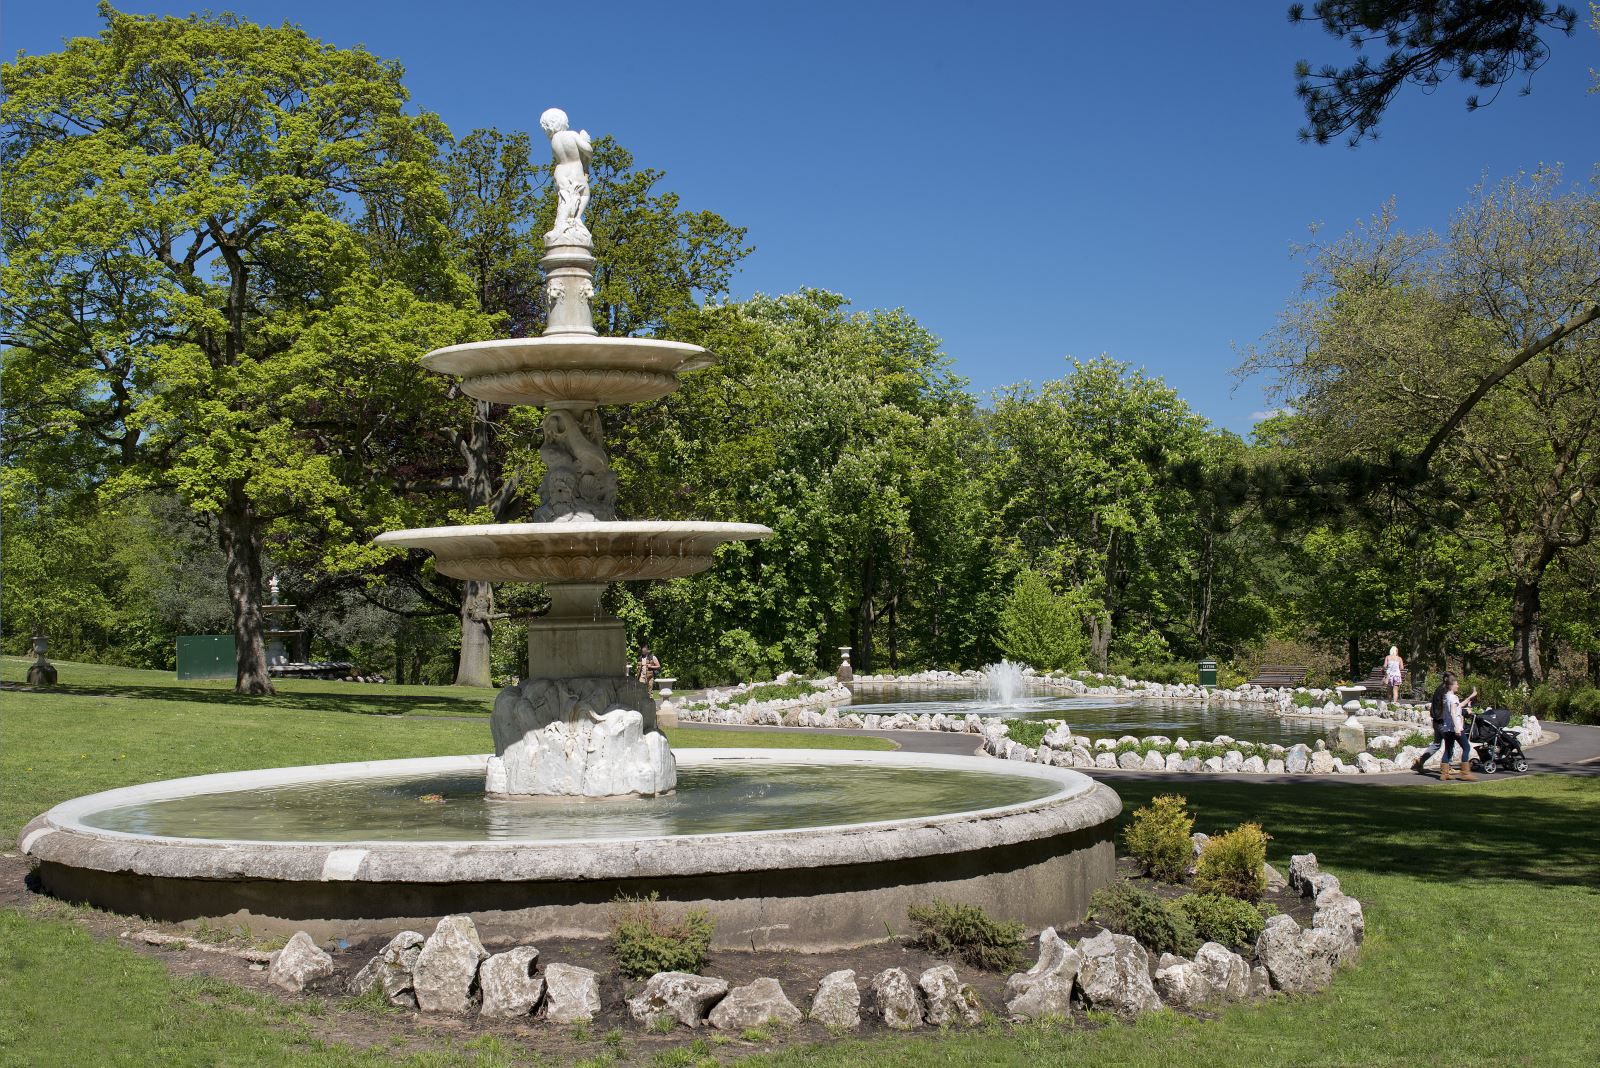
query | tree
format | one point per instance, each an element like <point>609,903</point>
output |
<point>845,433</point>
<point>179,195</point>
<point>1397,327</point>
<point>1040,627</point>
<point>1084,490</point>
<point>1485,42</point>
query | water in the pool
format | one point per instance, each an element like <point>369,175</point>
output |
<point>727,797</point>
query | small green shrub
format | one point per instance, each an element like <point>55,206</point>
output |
<point>1158,837</point>
<point>1235,863</point>
<point>1126,909</point>
<point>1028,732</point>
<point>1545,701</point>
<point>644,941</point>
<point>1583,705</point>
<point>1041,627</point>
<point>947,928</point>
<point>1493,692</point>
<point>1218,918</point>
<point>776,691</point>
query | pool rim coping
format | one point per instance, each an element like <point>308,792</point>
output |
<point>59,836</point>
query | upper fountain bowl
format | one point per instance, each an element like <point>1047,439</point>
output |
<point>581,552</point>
<point>568,370</point>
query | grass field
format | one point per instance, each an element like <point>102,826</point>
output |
<point>1483,905</point>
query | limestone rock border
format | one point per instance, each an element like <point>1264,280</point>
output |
<point>1105,971</point>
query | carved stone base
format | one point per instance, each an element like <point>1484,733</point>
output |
<point>586,737</point>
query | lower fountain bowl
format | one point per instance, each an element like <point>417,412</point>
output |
<point>753,836</point>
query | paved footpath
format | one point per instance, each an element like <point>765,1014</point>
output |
<point>1576,751</point>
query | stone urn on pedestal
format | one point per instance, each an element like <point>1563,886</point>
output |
<point>579,725</point>
<point>41,672</point>
<point>845,672</point>
<point>1352,734</point>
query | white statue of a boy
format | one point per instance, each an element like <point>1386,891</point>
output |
<point>572,152</point>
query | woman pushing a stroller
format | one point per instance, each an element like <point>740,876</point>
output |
<point>1449,710</point>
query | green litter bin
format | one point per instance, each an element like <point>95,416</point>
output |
<point>1208,673</point>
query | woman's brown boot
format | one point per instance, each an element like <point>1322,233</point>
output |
<point>1464,771</point>
<point>1444,772</point>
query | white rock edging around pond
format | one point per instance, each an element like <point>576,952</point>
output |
<point>827,708</point>
<point>1221,755</point>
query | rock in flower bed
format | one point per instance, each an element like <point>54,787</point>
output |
<point>1119,974</point>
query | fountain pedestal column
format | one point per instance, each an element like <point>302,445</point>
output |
<point>576,639</point>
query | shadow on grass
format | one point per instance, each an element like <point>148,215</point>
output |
<point>371,702</point>
<point>1539,829</point>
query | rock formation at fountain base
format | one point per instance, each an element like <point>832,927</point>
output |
<point>583,737</point>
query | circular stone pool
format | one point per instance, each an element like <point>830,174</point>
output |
<point>806,849</point>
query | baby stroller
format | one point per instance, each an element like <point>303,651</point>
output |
<point>1497,745</point>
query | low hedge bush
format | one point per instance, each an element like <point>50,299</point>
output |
<point>1219,918</point>
<point>950,929</point>
<point>644,941</point>
<point>1126,909</point>
<point>1028,732</point>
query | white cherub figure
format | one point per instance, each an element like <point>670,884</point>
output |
<point>572,152</point>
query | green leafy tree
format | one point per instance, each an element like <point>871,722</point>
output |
<point>180,197</point>
<point>1085,491</point>
<point>845,433</point>
<point>1040,627</point>
<point>1397,326</point>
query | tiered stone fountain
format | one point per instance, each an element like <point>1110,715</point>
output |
<point>802,849</point>
<point>578,725</point>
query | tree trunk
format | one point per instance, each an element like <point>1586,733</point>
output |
<point>477,608</point>
<point>240,536</point>
<point>1202,630</point>
<point>1353,647</point>
<point>865,618</point>
<point>1526,664</point>
<point>1100,629</point>
<point>477,598</point>
<point>894,634</point>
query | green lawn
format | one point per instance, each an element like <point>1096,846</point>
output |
<point>1483,904</point>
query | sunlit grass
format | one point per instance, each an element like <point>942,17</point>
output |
<point>1483,901</point>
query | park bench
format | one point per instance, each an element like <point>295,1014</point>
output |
<point>1374,680</point>
<point>1279,676</point>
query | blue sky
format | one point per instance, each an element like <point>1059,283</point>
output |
<point>1030,180</point>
